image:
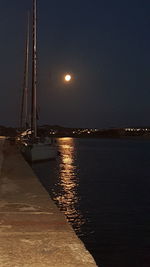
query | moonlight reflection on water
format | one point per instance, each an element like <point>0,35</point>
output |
<point>67,196</point>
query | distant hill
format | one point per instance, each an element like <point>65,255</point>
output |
<point>61,131</point>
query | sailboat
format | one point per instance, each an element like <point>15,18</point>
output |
<point>35,148</point>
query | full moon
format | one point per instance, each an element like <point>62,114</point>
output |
<point>68,78</point>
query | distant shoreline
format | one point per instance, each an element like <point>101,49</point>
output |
<point>56,131</point>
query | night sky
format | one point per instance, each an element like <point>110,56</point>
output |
<point>105,45</point>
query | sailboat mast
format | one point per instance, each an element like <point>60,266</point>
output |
<point>34,73</point>
<point>24,104</point>
<point>27,71</point>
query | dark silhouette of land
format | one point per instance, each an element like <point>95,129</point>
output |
<point>60,131</point>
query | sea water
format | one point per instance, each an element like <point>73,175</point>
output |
<point>103,188</point>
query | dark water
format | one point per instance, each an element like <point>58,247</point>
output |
<point>103,187</point>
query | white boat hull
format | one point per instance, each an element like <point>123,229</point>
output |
<point>39,152</point>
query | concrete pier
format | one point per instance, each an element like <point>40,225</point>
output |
<point>33,232</point>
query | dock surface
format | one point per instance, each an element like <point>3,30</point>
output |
<point>33,232</point>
